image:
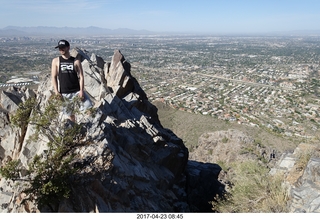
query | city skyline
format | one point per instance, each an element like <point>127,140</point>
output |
<point>202,16</point>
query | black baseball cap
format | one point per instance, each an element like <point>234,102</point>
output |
<point>63,43</point>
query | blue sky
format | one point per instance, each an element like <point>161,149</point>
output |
<point>192,16</point>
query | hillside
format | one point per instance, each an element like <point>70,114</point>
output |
<point>264,172</point>
<point>189,127</point>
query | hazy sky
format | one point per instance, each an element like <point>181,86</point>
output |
<point>197,16</point>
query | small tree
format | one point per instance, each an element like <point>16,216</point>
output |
<point>49,175</point>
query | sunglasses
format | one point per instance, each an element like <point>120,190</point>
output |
<point>62,48</point>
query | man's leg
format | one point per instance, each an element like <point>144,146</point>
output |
<point>86,103</point>
<point>68,108</point>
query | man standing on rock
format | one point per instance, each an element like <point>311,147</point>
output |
<point>68,71</point>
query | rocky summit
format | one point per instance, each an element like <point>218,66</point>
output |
<point>127,161</point>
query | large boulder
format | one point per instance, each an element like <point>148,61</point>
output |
<point>10,99</point>
<point>228,146</point>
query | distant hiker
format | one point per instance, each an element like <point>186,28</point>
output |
<point>68,71</point>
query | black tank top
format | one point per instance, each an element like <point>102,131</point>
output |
<point>68,77</point>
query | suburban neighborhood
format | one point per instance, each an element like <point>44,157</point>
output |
<point>266,82</point>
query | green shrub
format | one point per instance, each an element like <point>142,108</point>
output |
<point>48,177</point>
<point>303,156</point>
<point>10,171</point>
<point>253,190</point>
<point>225,140</point>
<point>21,117</point>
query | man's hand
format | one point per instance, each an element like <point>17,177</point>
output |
<point>81,95</point>
<point>58,96</point>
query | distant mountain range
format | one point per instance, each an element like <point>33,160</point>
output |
<point>68,31</point>
<point>16,31</point>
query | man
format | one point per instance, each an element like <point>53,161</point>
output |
<point>68,71</point>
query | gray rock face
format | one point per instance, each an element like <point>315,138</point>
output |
<point>130,163</point>
<point>303,183</point>
<point>203,185</point>
<point>306,195</point>
<point>11,99</point>
<point>10,138</point>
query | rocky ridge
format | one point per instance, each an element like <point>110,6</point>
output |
<point>130,163</point>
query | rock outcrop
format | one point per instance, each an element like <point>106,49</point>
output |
<point>130,162</point>
<point>228,146</point>
<point>301,170</point>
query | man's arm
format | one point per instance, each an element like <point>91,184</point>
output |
<point>81,77</point>
<point>54,75</point>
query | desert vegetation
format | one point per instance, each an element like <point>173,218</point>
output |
<point>252,189</point>
<point>48,177</point>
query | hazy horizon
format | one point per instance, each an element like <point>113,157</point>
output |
<point>16,31</point>
<point>201,17</point>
